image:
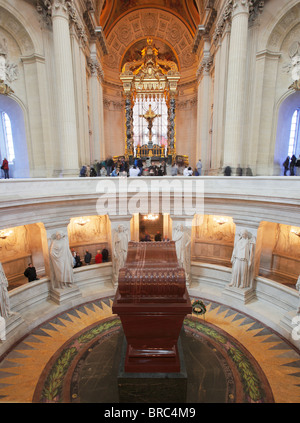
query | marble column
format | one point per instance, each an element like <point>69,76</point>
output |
<point>235,103</point>
<point>65,88</point>
<point>96,99</point>
<point>204,108</point>
<point>171,126</point>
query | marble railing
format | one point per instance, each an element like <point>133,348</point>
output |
<point>248,200</point>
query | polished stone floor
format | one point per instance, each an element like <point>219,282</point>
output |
<point>75,358</point>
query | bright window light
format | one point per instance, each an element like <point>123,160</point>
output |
<point>10,152</point>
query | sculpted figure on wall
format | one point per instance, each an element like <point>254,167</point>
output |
<point>4,298</point>
<point>93,229</point>
<point>298,289</point>
<point>182,240</point>
<point>120,239</point>
<point>61,261</point>
<point>242,260</point>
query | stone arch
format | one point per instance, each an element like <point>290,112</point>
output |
<point>150,23</point>
<point>17,31</point>
<point>276,23</point>
<point>286,108</point>
<point>11,106</point>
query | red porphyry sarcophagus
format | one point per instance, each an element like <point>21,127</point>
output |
<point>152,302</point>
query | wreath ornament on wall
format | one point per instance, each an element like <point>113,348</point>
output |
<point>198,307</point>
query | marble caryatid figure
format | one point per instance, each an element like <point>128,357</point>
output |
<point>182,240</point>
<point>4,303</point>
<point>4,298</point>
<point>298,289</point>
<point>120,241</point>
<point>61,261</point>
<point>242,260</point>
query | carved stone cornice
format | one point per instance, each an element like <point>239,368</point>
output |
<point>256,8</point>
<point>51,8</point>
<point>233,7</point>
<point>95,67</point>
<point>94,30</point>
<point>205,66</point>
<point>204,29</point>
<point>224,19</point>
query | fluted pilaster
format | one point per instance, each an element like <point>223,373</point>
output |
<point>236,83</point>
<point>65,88</point>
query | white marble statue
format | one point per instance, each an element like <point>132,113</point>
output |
<point>120,241</point>
<point>4,298</point>
<point>298,289</point>
<point>242,260</point>
<point>2,329</point>
<point>61,261</point>
<point>182,240</point>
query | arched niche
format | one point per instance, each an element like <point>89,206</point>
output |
<point>89,233</point>
<point>213,239</point>
<point>20,167</point>
<point>280,253</point>
<point>19,246</point>
<point>285,113</point>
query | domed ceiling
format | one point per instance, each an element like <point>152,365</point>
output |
<point>170,23</point>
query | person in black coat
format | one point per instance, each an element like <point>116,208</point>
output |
<point>227,171</point>
<point>77,260</point>
<point>87,257</point>
<point>292,165</point>
<point>104,255</point>
<point>286,165</point>
<point>30,273</point>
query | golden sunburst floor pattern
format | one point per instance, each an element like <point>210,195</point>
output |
<point>28,362</point>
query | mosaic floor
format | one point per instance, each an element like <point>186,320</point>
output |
<point>74,357</point>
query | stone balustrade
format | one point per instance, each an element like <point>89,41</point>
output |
<point>247,200</point>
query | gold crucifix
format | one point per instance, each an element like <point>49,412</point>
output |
<point>150,116</point>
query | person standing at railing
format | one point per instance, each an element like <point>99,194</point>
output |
<point>5,168</point>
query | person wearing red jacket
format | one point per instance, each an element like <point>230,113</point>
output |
<point>98,257</point>
<point>5,168</point>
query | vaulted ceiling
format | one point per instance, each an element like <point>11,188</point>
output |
<point>114,10</point>
<point>170,23</point>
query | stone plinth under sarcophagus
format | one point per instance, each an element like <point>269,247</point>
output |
<point>152,301</point>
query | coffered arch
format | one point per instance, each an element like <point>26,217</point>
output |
<point>156,24</point>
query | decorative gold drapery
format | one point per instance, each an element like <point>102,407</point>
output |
<point>150,78</point>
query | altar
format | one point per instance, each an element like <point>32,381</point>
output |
<point>150,90</point>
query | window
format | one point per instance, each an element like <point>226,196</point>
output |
<point>293,142</point>
<point>10,152</point>
<point>160,123</point>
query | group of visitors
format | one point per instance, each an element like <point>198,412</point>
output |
<point>292,164</point>
<point>101,257</point>
<point>150,167</point>
<point>239,171</point>
<point>158,237</point>
<point>147,167</point>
